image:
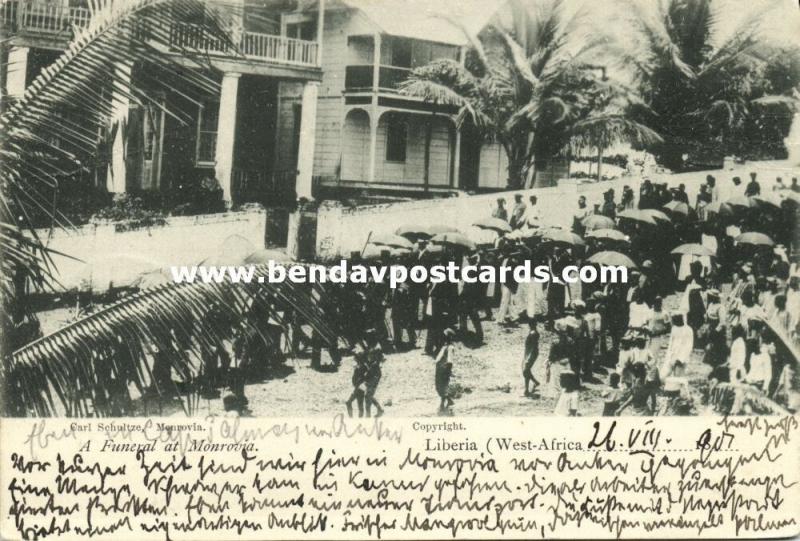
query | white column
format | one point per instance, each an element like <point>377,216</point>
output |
<point>320,29</point>
<point>16,71</point>
<point>305,150</point>
<point>226,133</point>
<point>374,113</point>
<point>116,178</point>
<point>373,143</point>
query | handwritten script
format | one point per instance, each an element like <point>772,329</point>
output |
<point>383,479</point>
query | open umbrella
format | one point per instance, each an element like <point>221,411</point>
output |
<point>493,224</point>
<point>415,232</point>
<point>611,258</point>
<point>454,239</point>
<point>610,234</point>
<point>656,215</point>
<point>637,216</point>
<point>522,234</point>
<point>373,252</point>
<point>694,249</point>
<point>771,200</point>
<point>718,207</point>
<point>263,256</point>
<point>597,221</point>
<point>754,238</point>
<point>741,201</point>
<point>678,207</point>
<point>391,240</point>
<point>792,196</point>
<point>560,235</point>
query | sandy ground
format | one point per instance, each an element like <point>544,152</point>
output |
<point>492,375</point>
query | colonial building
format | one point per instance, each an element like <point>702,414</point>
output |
<point>369,136</point>
<point>309,102</point>
<point>233,134</point>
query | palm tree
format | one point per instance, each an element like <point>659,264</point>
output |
<point>55,130</point>
<point>702,84</point>
<point>533,88</point>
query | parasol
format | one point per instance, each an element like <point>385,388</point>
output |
<point>493,224</point>
<point>610,234</point>
<point>694,249</point>
<point>754,238</point>
<point>391,240</point>
<point>597,221</point>
<point>454,239</point>
<point>611,258</point>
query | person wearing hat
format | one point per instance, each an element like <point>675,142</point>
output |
<point>581,212</point>
<point>609,208</point>
<point>760,373</point>
<point>713,189</point>
<point>580,358</point>
<point>517,213</point>
<point>627,357</point>
<point>646,193</point>
<point>753,187</point>
<point>681,344</point>
<point>444,371</point>
<point>500,211</point>
<point>780,317</point>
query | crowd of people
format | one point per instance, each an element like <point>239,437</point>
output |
<point>737,309</point>
<point>738,302</point>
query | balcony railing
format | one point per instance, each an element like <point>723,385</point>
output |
<point>41,19</point>
<point>44,18</point>
<point>361,77</point>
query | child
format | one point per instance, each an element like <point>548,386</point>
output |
<point>613,397</point>
<point>444,372</point>
<point>531,354</point>
<point>567,405</point>
<point>359,379</point>
<point>373,377</point>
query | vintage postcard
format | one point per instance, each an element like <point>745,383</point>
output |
<point>399,269</point>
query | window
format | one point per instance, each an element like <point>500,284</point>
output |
<point>396,139</point>
<point>401,53</point>
<point>207,133</point>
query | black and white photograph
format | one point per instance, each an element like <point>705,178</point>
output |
<point>400,208</point>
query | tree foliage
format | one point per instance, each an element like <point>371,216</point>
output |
<point>533,88</point>
<point>59,128</point>
<point>710,93</point>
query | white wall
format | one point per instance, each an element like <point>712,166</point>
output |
<point>343,230</point>
<point>122,256</point>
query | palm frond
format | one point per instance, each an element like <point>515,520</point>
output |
<point>86,367</point>
<point>604,130</point>
<point>55,128</point>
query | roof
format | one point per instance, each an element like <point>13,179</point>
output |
<point>426,20</point>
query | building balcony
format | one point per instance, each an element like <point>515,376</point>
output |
<point>52,26</point>
<point>361,78</point>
